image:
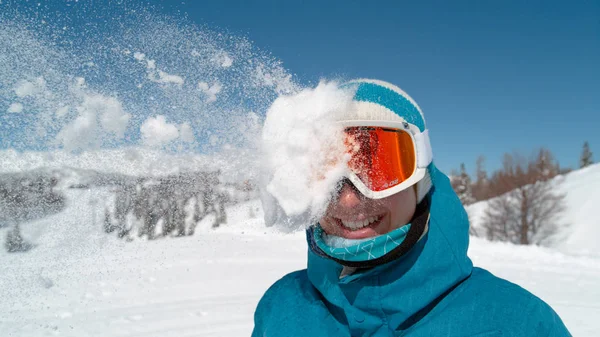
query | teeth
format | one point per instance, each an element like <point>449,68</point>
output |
<point>359,224</point>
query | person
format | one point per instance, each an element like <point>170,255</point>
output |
<point>389,256</point>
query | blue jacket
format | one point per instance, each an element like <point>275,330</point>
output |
<point>432,290</point>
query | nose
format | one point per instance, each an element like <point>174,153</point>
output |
<point>349,197</point>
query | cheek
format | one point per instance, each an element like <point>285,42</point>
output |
<point>402,207</point>
<point>330,228</point>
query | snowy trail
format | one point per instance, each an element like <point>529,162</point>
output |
<point>571,285</point>
<point>159,291</point>
<point>81,282</point>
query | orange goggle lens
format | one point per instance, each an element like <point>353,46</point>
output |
<point>381,157</point>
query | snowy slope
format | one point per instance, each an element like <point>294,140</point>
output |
<point>583,200</point>
<point>78,281</point>
<point>235,164</point>
<point>81,282</point>
<point>580,232</point>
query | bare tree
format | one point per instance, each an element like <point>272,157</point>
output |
<point>481,185</point>
<point>544,166</point>
<point>528,213</point>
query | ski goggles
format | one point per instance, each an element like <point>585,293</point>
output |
<point>385,157</point>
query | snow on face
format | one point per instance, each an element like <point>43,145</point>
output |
<point>305,157</point>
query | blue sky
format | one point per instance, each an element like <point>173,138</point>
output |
<point>490,76</point>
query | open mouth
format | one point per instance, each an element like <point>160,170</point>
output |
<point>355,225</point>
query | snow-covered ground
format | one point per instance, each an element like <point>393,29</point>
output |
<point>580,224</point>
<point>79,281</point>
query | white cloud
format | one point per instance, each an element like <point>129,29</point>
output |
<point>227,61</point>
<point>156,131</point>
<point>80,133</point>
<point>62,111</point>
<point>165,78</point>
<point>186,133</point>
<point>139,56</point>
<point>223,59</point>
<point>15,108</point>
<point>210,91</point>
<point>113,117</point>
<point>26,88</point>
<point>80,83</point>
<point>157,75</point>
<point>98,117</point>
<point>213,140</point>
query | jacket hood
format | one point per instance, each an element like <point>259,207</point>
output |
<point>399,292</point>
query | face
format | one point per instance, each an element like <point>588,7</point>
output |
<point>354,216</point>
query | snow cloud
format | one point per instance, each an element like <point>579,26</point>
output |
<point>165,78</point>
<point>62,111</point>
<point>227,61</point>
<point>277,78</point>
<point>15,108</point>
<point>26,88</point>
<point>156,75</point>
<point>186,133</point>
<point>223,59</point>
<point>210,91</point>
<point>139,56</point>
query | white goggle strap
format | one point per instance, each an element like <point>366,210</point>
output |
<point>423,145</point>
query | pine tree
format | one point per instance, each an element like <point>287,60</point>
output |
<point>586,156</point>
<point>14,241</point>
<point>461,182</point>
<point>108,226</point>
